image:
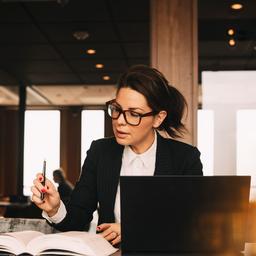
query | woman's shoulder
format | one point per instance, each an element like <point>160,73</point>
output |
<point>176,144</point>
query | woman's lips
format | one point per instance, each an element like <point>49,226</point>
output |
<point>121,134</point>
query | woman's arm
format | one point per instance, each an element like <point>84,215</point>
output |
<point>83,201</point>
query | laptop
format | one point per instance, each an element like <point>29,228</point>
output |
<point>195,215</point>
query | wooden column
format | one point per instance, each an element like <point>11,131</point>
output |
<point>2,158</point>
<point>70,143</point>
<point>9,151</point>
<point>174,51</point>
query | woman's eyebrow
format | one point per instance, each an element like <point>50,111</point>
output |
<point>131,108</point>
<point>136,109</point>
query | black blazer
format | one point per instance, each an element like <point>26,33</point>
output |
<point>99,179</point>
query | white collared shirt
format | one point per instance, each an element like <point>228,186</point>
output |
<point>132,164</point>
<point>135,164</point>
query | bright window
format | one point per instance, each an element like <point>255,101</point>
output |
<point>246,145</point>
<point>205,136</point>
<point>42,141</point>
<point>231,97</point>
<point>92,129</point>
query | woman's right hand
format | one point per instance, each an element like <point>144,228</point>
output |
<point>51,202</point>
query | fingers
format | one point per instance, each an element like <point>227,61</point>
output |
<point>37,200</point>
<point>36,194</point>
<point>111,236</point>
<point>114,238</point>
<point>111,232</point>
<point>40,176</point>
<point>38,181</point>
<point>35,191</point>
<point>103,226</point>
<point>38,185</point>
<point>105,229</point>
<point>38,188</point>
<point>49,187</point>
<point>117,240</point>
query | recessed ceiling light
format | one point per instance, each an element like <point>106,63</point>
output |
<point>231,31</point>
<point>232,42</point>
<point>99,65</point>
<point>81,35</point>
<point>91,51</point>
<point>236,6</point>
<point>106,78</point>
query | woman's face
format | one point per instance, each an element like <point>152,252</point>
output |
<point>140,137</point>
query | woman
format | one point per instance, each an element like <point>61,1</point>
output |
<point>144,103</point>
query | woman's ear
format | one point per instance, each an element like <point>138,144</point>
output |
<point>159,118</point>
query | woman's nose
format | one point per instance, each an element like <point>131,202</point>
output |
<point>121,120</point>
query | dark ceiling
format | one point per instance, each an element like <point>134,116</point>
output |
<point>215,18</point>
<point>37,45</point>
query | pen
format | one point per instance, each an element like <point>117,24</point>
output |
<point>43,182</point>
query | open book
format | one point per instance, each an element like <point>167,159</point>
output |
<point>65,243</point>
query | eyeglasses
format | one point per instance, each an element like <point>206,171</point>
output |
<point>131,117</point>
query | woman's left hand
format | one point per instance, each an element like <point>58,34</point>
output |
<point>111,232</point>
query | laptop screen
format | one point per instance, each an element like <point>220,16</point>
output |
<point>184,213</point>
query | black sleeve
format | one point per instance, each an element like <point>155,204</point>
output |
<point>193,164</point>
<point>83,201</point>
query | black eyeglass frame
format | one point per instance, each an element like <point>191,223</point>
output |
<point>109,103</point>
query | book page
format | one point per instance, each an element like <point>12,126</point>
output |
<point>25,236</point>
<point>73,241</point>
<point>15,242</point>
<point>11,245</point>
<point>96,242</point>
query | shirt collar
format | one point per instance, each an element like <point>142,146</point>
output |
<point>130,155</point>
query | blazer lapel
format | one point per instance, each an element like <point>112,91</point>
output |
<point>117,163</point>
<point>109,184</point>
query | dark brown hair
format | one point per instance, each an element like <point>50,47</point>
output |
<point>159,94</point>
